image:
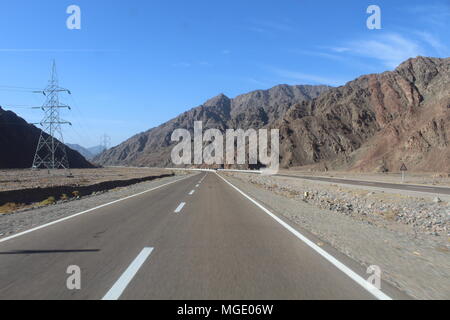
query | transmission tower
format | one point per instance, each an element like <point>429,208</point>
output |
<point>105,142</point>
<point>51,150</point>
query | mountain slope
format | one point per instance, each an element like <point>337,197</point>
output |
<point>375,122</point>
<point>81,150</point>
<point>96,150</point>
<point>252,110</point>
<point>18,141</point>
<point>88,153</point>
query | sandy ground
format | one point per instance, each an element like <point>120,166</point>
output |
<point>26,178</point>
<point>436,179</point>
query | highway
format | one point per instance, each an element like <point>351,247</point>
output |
<point>198,238</point>
<point>405,187</point>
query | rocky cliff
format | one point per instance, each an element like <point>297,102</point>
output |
<point>375,123</point>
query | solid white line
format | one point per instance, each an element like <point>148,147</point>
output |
<point>353,275</point>
<point>119,287</point>
<point>80,213</point>
<point>192,192</point>
<point>180,207</point>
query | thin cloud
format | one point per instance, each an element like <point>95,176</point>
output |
<point>437,14</point>
<point>182,65</point>
<point>390,49</point>
<point>340,49</point>
<point>53,50</point>
<point>265,26</point>
<point>323,52</point>
<point>258,82</point>
<point>434,42</point>
<point>205,63</point>
<point>305,77</point>
<point>191,64</point>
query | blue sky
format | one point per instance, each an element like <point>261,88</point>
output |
<point>138,63</point>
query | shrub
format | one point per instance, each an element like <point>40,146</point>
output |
<point>48,201</point>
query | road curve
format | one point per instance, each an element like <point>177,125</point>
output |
<point>195,239</point>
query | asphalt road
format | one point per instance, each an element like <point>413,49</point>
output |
<point>198,238</point>
<point>406,187</point>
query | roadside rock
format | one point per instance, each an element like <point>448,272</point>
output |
<point>378,208</point>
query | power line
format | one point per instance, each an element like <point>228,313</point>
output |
<point>20,89</point>
<point>20,106</point>
<point>15,87</point>
<point>83,122</point>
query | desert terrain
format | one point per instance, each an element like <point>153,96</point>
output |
<point>26,188</point>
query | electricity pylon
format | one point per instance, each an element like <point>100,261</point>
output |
<point>105,142</point>
<point>51,150</point>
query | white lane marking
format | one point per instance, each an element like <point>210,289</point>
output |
<point>80,213</point>
<point>353,275</point>
<point>192,192</point>
<point>119,287</point>
<point>180,207</point>
<point>203,178</point>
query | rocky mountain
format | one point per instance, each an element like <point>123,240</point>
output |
<point>96,150</point>
<point>253,110</point>
<point>81,150</point>
<point>88,153</point>
<point>375,123</point>
<point>18,141</point>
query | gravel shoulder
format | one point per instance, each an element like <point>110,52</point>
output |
<point>21,220</point>
<point>411,256</point>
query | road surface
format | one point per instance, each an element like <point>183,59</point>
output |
<point>198,238</point>
<point>405,187</point>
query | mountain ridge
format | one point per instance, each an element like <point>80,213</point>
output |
<point>153,147</point>
<point>375,122</point>
<point>88,153</point>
